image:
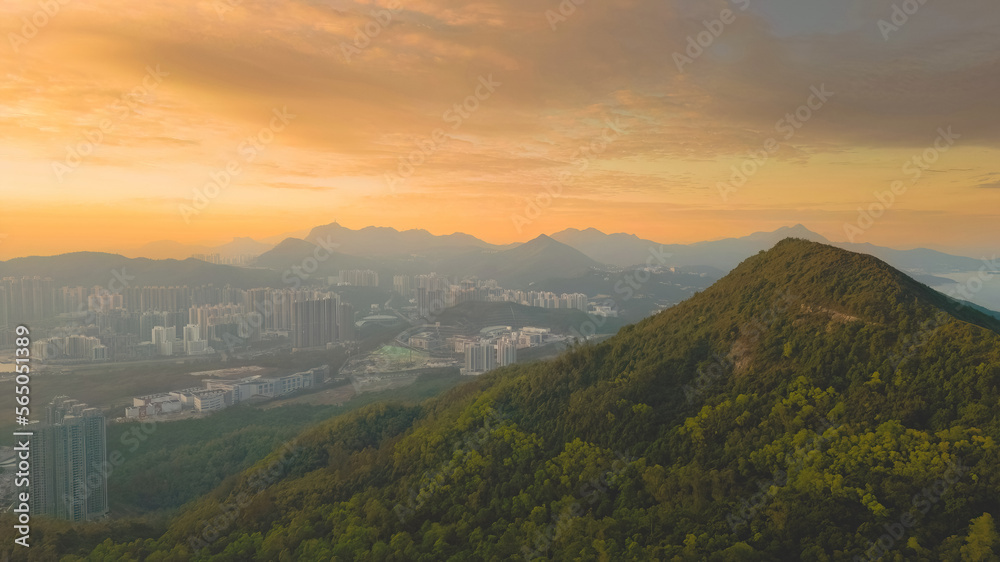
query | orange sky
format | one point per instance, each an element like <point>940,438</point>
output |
<point>355,105</point>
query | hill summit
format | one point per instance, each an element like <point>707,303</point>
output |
<point>537,260</point>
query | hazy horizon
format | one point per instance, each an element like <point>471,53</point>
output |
<point>135,250</point>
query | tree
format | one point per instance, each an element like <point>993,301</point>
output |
<point>982,543</point>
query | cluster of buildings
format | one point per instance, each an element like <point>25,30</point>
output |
<point>101,325</point>
<point>433,340</point>
<point>240,260</point>
<point>164,338</point>
<point>493,347</point>
<point>356,278</point>
<point>146,322</point>
<point>23,299</point>
<point>163,342</point>
<point>487,354</point>
<point>75,346</point>
<point>69,476</point>
<point>433,293</point>
<point>26,299</point>
<point>220,394</point>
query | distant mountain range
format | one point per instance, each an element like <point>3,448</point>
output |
<point>293,252</point>
<point>627,249</point>
<point>167,249</point>
<point>371,241</point>
<point>535,261</point>
<point>623,250</point>
<point>565,255</point>
<point>376,241</point>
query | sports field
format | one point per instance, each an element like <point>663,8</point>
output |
<point>391,358</point>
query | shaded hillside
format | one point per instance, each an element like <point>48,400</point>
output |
<point>618,249</point>
<point>389,242</point>
<point>168,249</point>
<point>293,252</point>
<point>628,250</point>
<point>530,263</point>
<point>799,409</point>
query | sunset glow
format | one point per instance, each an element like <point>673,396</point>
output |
<point>515,89</point>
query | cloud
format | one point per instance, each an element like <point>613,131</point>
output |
<point>989,181</point>
<point>561,78</point>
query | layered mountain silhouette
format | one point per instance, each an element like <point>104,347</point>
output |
<point>418,251</point>
<point>294,253</point>
<point>627,249</point>
<point>378,241</point>
<point>538,260</point>
<point>813,404</point>
<point>569,261</point>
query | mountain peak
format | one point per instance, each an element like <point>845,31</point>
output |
<point>798,229</point>
<point>292,244</point>
<point>826,277</point>
<point>390,242</point>
<point>542,239</point>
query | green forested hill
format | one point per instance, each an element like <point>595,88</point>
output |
<point>814,404</point>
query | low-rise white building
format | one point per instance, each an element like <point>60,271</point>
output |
<point>218,394</point>
<point>209,400</point>
<point>152,409</point>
